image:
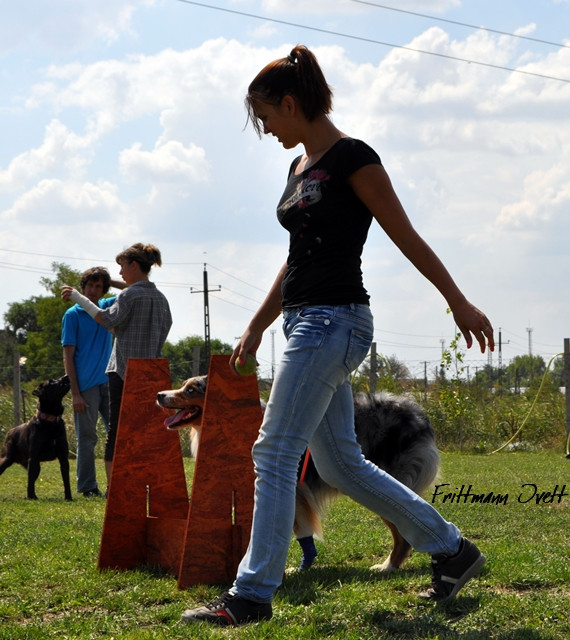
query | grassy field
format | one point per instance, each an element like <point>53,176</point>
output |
<point>50,586</point>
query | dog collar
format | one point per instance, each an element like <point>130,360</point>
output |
<point>46,416</point>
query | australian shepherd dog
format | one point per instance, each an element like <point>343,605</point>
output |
<point>393,431</point>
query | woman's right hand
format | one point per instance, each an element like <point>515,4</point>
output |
<point>248,343</point>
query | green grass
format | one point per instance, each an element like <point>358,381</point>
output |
<point>50,586</point>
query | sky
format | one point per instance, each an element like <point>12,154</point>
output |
<point>123,121</point>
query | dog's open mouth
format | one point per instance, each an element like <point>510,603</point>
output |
<point>183,417</point>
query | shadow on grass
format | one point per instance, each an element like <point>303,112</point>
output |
<point>430,624</point>
<point>303,587</point>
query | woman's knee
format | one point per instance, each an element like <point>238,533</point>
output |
<point>277,456</point>
<point>340,472</point>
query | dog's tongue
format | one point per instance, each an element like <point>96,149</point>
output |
<point>179,416</point>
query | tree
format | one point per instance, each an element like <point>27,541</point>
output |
<point>43,347</point>
<point>35,325</point>
<point>21,318</point>
<point>20,321</point>
<point>523,370</point>
<point>558,373</point>
<point>63,275</point>
<point>390,373</point>
<point>486,377</point>
<point>6,356</point>
<point>181,356</point>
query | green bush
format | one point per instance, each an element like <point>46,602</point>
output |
<point>471,422</point>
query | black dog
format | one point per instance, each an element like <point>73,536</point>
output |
<point>41,439</point>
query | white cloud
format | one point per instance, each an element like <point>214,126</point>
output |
<point>147,143</point>
<point>60,148</point>
<point>68,202</point>
<point>67,25</point>
<point>546,197</point>
<point>169,161</point>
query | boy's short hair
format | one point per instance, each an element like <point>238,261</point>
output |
<point>96,274</point>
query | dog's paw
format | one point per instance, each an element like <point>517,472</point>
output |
<point>385,567</point>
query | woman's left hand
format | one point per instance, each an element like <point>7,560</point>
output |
<point>470,320</point>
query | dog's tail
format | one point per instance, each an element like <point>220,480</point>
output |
<point>310,508</point>
<point>194,441</point>
<point>313,497</point>
<point>418,467</point>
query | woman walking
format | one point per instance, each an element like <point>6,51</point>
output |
<point>334,191</point>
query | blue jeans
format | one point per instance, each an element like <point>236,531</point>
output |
<point>97,398</point>
<point>116,385</point>
<point>311,404</point>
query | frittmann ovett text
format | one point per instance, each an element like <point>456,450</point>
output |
<point>530,493</point>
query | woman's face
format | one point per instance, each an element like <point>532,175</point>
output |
<point>129,271</point>
<point>279,121</point>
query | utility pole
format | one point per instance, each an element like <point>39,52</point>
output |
<point>500,360</point>
<point>529,331</point>
<point>16,383</point>
<point>373,378</point>
<point>566,377</point>
<point>500,351</point>
<point>273,331</point>
<point>205,291</point>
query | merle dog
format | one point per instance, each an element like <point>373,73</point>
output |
<point>41,439</point>
<point>393,431</point>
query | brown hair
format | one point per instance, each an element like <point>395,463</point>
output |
<point>298,75</point>
<point>146,255</point>
<point>96,274</point>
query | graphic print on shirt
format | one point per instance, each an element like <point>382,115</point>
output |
<point>308,191</point>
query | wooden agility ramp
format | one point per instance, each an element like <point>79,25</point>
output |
<point>148,519</point>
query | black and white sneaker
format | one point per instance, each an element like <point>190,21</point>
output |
<point>229,610</point>
<point>450,573</point>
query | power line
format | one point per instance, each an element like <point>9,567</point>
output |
<point>412,335</point>
<point>48,255</point>
<point>233,304</point>
<point>372,41</point>
<point>8,265</point>
<point>185,285</point>
<point>242,295</point>
<point>230,275</point>
<point>462,24</point>
<point>160,283</point>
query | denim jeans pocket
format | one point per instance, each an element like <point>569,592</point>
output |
<point>316,313</point>
<point>321,316</point>
<point>358,347</point>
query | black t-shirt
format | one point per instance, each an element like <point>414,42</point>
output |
<point>328,225</point>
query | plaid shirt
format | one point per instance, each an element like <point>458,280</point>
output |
<point>141,320</point>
